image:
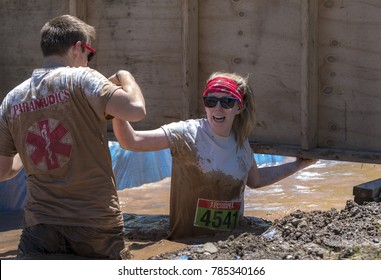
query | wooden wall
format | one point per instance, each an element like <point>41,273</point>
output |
<point>314,65</point>
<point>20,25</point>
<point>260,39</point>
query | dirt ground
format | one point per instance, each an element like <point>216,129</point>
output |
<point>351,233</point>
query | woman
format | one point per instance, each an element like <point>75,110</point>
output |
<point>212,158</point>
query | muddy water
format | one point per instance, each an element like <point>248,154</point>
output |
<point>322,186</point>
<point>325,185</point>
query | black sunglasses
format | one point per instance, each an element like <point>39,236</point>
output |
<point>226,102</point>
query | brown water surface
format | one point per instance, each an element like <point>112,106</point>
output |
<point>322,186</point>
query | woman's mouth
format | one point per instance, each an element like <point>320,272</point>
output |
<point>218,119</point>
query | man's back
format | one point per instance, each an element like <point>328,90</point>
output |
<point>56,124</point>
<point>56,120</point>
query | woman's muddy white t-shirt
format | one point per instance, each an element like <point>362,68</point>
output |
<point>204,166</point>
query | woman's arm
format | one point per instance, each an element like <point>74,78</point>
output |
<point>260,177</point>
<point>139,141</point>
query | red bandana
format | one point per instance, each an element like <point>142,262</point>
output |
<point>225,85</point>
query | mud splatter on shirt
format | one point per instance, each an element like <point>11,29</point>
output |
<point>204,165</point>
<point>55,121</point>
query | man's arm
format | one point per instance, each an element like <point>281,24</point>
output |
<point>9,167</point>
<point>127,103</point>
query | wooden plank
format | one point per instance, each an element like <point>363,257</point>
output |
<point>369,190</point>
<point>78,8</point>
<point>156,41</point>
<point>261,40</point>
<point>145,38</point>
<point>309,74</point>
<point>349,75</point>
<point>20,25</point>
<point>190,58</point>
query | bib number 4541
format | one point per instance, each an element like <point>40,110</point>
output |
<point>217,215</point>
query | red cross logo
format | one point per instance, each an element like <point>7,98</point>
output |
<point>49,144</point>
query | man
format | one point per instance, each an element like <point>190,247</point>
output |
<point>55,126</point>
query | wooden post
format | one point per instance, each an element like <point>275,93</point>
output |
<point>367,192</point>
<point>309,74</point>
<point>190,58</point>
<point>78,9</point>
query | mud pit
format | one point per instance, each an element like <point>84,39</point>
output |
<point>351,233</point>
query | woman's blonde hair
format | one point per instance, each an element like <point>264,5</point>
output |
<point>243,123</point>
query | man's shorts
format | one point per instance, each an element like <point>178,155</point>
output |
<point>44,241</point>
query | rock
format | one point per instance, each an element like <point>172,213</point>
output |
<point>210,248</point>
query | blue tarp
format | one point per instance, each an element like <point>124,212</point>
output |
<point>131,169</point>
<point>263,159</point>
<point>13,193</point>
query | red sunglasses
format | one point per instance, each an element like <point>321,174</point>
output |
<point>91,53</point>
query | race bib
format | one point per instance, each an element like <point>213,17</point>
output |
<point>217,215</point>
